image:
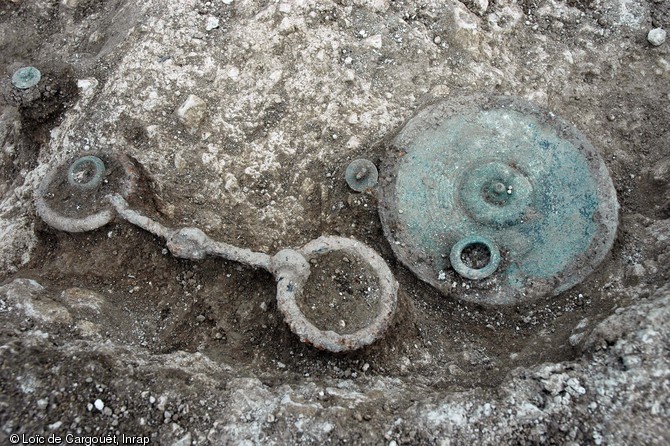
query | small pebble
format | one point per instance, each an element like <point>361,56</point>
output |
<point>99,404</point>
<point>656,36</point>
<point>212,23</point>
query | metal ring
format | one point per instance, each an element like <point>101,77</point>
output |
<point>96,220</point>
<point>474,273</point>
<point>97,175</point>
<point>289,285</point>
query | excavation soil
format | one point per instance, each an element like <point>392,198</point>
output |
<point>341,295</point>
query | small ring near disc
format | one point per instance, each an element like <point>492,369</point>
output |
<point>470,272</point>
<point>361,175</point>
<point>78,172</point>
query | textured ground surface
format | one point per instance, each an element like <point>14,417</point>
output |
<point>284,96</point>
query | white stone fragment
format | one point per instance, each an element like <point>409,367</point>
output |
<point>99,404</point>
<point>656,36</point>
<point>480,6</point>
<point>284,8</point>
<point>374,41</point>
<point>83,299</point>
<point>186,440</point>
<point>212,23</point>
<point>191,112</point>
<point>87,86</point>
<point>31,299</point>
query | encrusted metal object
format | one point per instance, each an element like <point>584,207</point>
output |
<point>361,175</point>
<point>290,282</point>
<point>86,172</point>
<point>470,268</point>
<point>26,77</point>
<point>99,184</point>
<point>502,175</point>
<point>72,196</point>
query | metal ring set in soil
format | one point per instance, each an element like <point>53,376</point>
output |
<point>26,77</point>
<point>505,171</point>
<point>72,196</point>
<point>338,339</point>
<point>86,172</point>
<point>471,269</point>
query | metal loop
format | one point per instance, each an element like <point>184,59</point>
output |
<point>76,167</point>
<point>467,271</point>
<point>290,285</point>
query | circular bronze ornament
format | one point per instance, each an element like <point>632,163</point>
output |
<point>503,170</point>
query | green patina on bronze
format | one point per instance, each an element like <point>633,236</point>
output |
<point>26,77</point>
<point>501,169</point>
<point>86,172</point>
<point>361,175</point>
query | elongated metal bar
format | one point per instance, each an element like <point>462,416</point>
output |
<point>241,255</point>
<point>137,219</point>
<point>190,243</point>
